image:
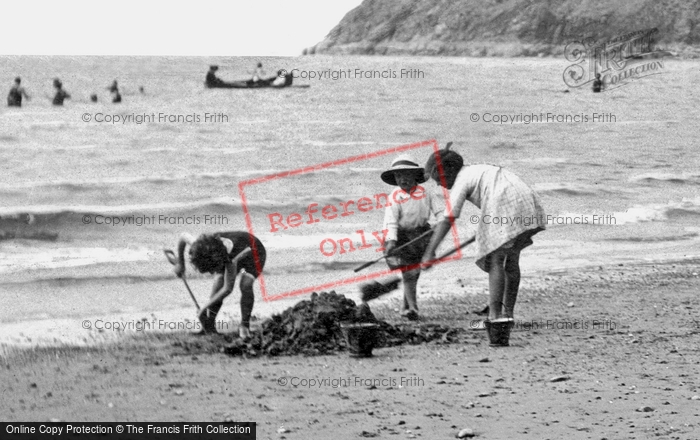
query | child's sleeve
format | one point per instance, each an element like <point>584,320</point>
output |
<point>436,198</point>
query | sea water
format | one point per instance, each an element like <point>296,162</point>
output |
<point>95,191</point>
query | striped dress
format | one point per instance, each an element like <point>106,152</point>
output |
<point>508,207</point>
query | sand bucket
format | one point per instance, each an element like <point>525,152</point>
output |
<point>360,338</point>
<point>499,331</point>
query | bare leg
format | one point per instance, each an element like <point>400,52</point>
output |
<point>512,268</point>
<point>247,302</point>
<point>208,318</point>
<point>393,264</point>
<point>410,287</point>
<point>497,281</point>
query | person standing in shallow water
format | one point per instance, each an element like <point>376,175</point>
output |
<point>61,94</point>
<point>114,90</point>
<point>14,98</point>
<point>597,84</point>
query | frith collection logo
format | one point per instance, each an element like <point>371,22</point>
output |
<point>614,63</point>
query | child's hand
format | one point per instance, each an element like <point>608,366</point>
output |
<point>179,270</point>
<point>391,261</point>
<point>390,246</point>
<point>427,258</point>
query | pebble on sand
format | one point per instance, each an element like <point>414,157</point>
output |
<point>645,409</point>
<point>466,432</point>
<point>559,378</point>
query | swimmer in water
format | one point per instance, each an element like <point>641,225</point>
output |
<point>61,94</point>
<point>14,98</point>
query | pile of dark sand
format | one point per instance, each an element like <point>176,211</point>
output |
<point>312,327</point>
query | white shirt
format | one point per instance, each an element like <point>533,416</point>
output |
<point>412,211</point>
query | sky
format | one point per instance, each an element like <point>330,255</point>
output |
<point>157,27</point>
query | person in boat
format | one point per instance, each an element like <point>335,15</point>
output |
<point>211,80</point>
<point>14,98</point>
<point>283,79</point>
<point>498,193</point>
<point>222,254</point>
<point>114,90</point>
<point>61,94</point>
<point>258,74</point>
<point>597,83</point>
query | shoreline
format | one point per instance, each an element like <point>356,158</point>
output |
<point>93,329</point>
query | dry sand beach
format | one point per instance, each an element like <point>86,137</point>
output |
<point>611,353</point>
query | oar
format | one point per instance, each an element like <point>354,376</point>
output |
<point>369,263</point>
<point>170,255</point>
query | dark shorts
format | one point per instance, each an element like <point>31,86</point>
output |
<point>248,262</point>
<point>242,240</point>
<point>413,253</point>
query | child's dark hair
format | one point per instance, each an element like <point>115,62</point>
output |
<point>451,162</point>
<point>208,254</point>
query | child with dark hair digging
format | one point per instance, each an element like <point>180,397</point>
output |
<point>497,193</point>
<point>226,254</point>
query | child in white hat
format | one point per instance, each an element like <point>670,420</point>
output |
<point>406,219</point>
